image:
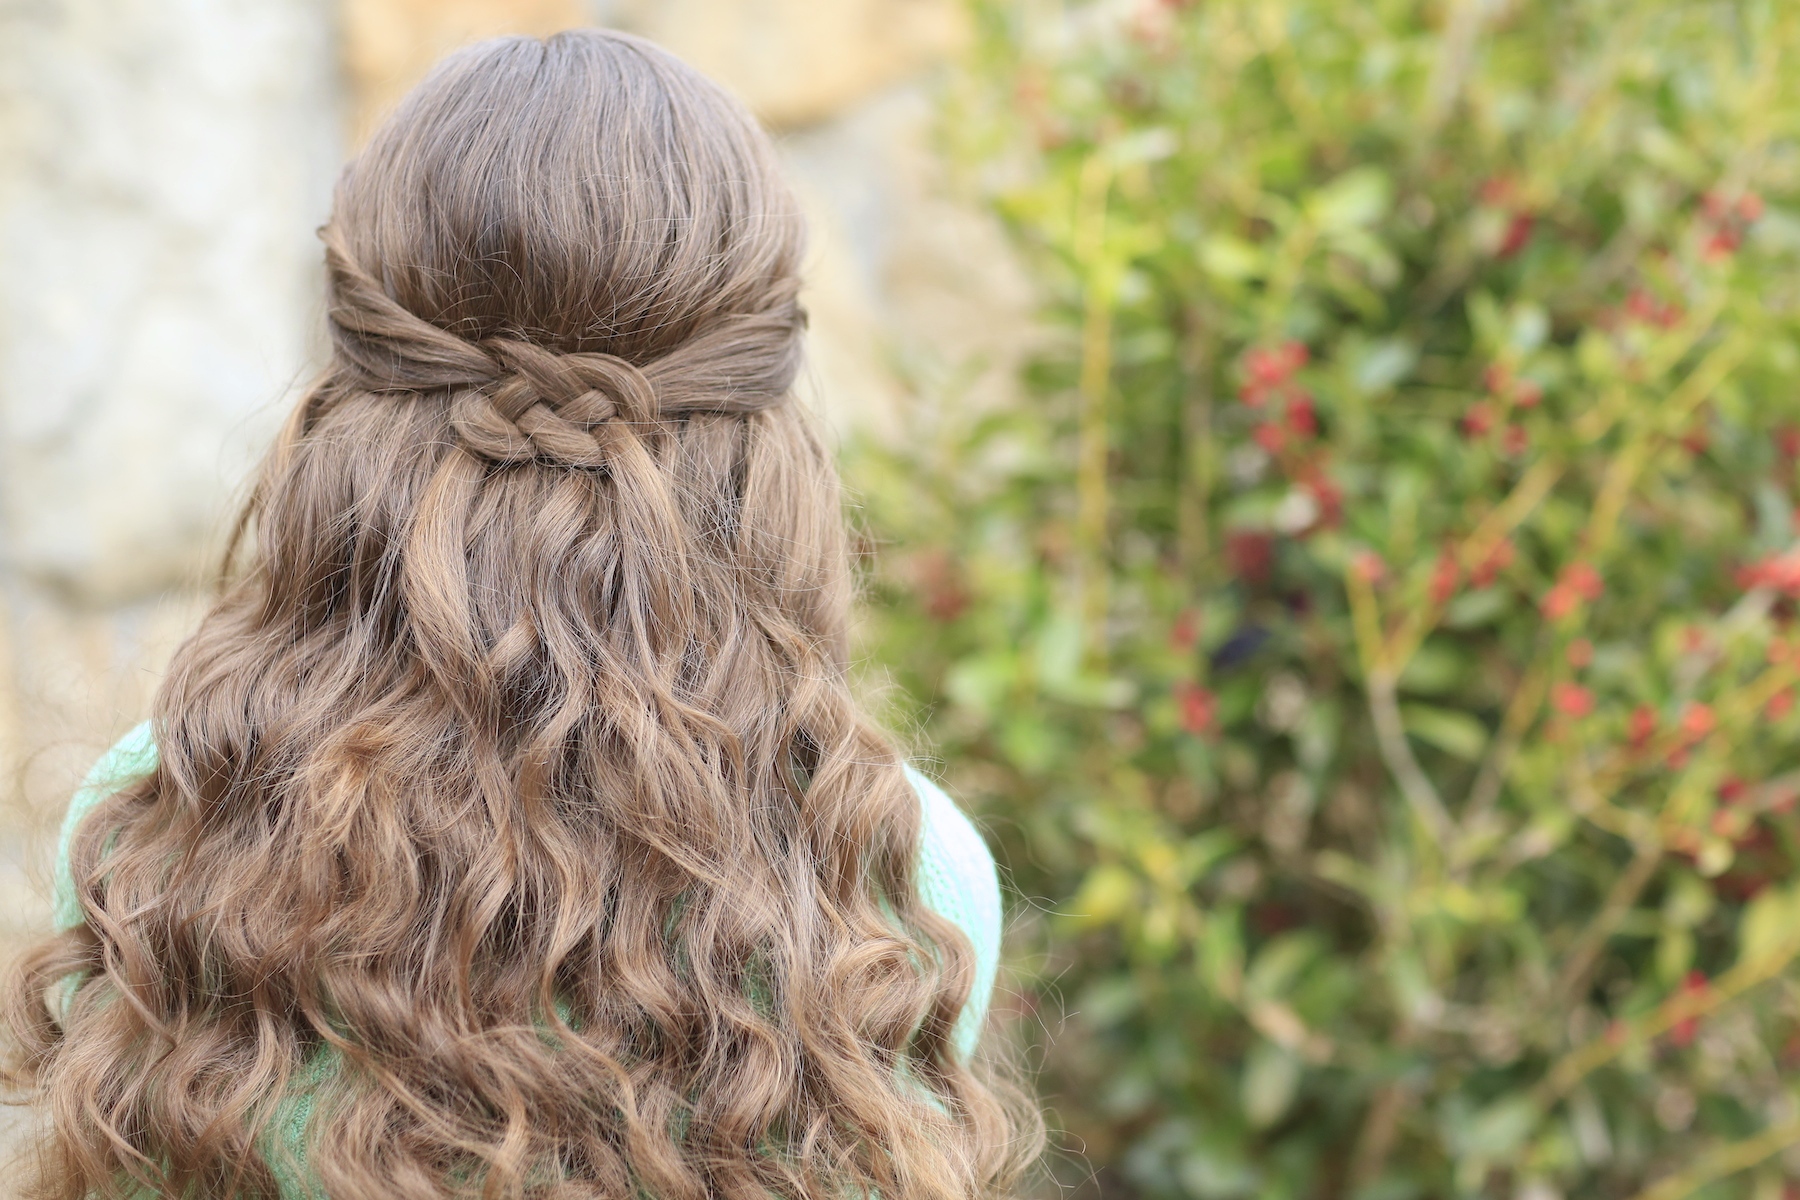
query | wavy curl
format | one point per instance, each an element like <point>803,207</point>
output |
<point>512,811</point>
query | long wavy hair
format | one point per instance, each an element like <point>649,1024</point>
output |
<point>513,776</point>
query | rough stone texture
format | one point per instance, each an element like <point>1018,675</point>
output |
<point>800,62</point>
<point>165,167</point>
<point>163,164</point>
<point>388,45</point>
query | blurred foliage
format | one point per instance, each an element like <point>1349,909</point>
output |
<point>1370,637</point>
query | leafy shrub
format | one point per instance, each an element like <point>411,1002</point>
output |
<point>1371,641</point>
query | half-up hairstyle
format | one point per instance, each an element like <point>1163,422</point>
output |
<point>511,814</point>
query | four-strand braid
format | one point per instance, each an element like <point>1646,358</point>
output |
<point>513,400</point>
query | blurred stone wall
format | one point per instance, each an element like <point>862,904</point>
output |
<point>162,169</point>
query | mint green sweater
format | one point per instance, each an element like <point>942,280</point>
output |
<point>956,879</point>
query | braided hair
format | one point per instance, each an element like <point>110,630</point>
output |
<point>513,822</point>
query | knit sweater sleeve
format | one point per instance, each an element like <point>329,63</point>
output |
<point>132,757</point>
<point>958,880</point>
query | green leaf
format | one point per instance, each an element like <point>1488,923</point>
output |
<point>1770,924</point>
<point>1451,731</point>
<point>1108,893</point>
<point>1354,199</point>
<point>1280,963</point>
<point>1215,1169</point>
<point>1499,1129</point>
<point>982,682</point>
<point>1270,1083</point>
<point>1528,328</point>
<point>1383,364</point>
<point>1232,259</point>
<point>1221,959</point>
<point>1435,669</point>
<point>1473,609</point>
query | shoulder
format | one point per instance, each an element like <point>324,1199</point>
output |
<point>948,838</point>
<point>956,869</point>
<point>958,879</point>
<point>131,757</point>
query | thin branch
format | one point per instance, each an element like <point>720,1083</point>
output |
<point>1684,1005</point>
<point>1096,377</point>
<point>1375,1141</point>
<point>1521,711</point>
<point>1193,540</point>
<point>1620,899</point>
<point>1456,55</point>
<point>1726,1160</point>
<point>1396,752</point>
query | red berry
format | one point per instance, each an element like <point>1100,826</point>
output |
<point>1368,567</point>
<point>941,587</point>
<point>1270,437</point>
<point>1697,438</point>
<point>1302,421</point>
<point>1730,824</point>
<point>1267,367</point>
<point>1583,580</point>
<point>1251,556</point>
<point>1780,572</point>
<point>1528,394</point>
<point>1642,726</point>
<point>1184,635</point>
<point>1787,441</point>
<point>1683,1031</point>
<point>1199,707</point>
<point>1497,560</point>
<point>1446,573</point>
<point>1478,420</point>
<point>1750,206</point>
<point>1697,720</point>
<point>1330,499</point>
<point>1641,305</point>
<point>1559,602</point>
<point>1580,653</point>
<point>1515,441</point>
<point>1518,233</point>
<point>1572,699</point>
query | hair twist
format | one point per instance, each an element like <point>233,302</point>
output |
<point>514,400</point>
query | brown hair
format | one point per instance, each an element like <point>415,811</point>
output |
<point>515,768</point>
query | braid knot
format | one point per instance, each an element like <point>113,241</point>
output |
<point>513,400</point>
<point>550,406</point>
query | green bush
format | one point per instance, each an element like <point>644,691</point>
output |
<point>1370,639</point>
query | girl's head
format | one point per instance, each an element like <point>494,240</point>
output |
<point>512,814</point>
